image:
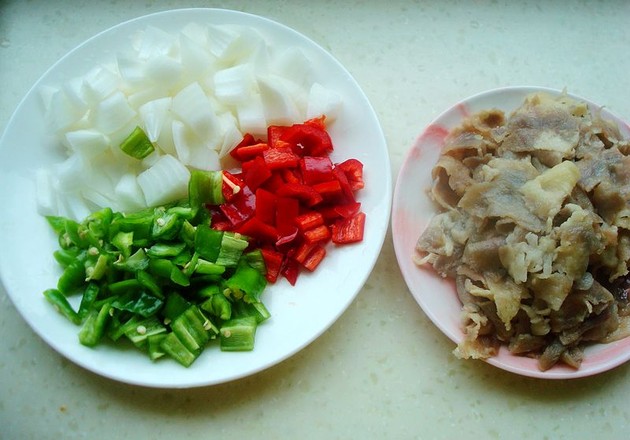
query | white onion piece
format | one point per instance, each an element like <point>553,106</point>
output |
<point>251,116</point>
<point>205,158</point>
<point>131,71</point>
<point>61,113</point>
<point>294,65</point>
<point>88,143</point>
<point>164,71</point>
<point>73,205</point>
<point>220,39</point>
<point>195,110</point>
<point>195,58</point>
<point>235,84</point>
<point>112,113</point>
<point>75,93</point>
<point>139,97</point>
<point>71,173</point>
<point>196,33</point>
<point>165,181</point>
<point>45,194</point>
<point>153,115</point>
<point>231,134</point>
<point>184,141</point>
<point>155,42</point>
<point>323,101</point>
<point>99,83</point>
<point>129,195</point>
<point>277,101</point>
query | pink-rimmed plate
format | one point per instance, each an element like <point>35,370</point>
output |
<point>412,210</point>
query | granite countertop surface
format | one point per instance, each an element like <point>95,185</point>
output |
<point>383,370</point>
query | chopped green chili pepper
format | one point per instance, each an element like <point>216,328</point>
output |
<point>137,144</point>
<point>161,277</point>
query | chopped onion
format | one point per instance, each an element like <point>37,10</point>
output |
<point>112,113</point>
<point>195,110</point>
<point>88,142</point>
<point>129,195</point>
<point>277,101</point>
<point>234,84</point>
<point>154,115</point>
<point>323,101</point>
<point>194,93</point>
<point>165,181</point>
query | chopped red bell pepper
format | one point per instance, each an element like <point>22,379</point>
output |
<point>309,220</point>
<point>348,210</point>
<point>346,188</point>
<point>241,208</point>
<point>349,230</point>
<point>330,190</point>
<point>232,185</point>
<point>290,270</point>
<point>248,152</point>
<point>318,122</point>
<point>353,169</point>
<point>290,175</point>
<point>304,193</point>
<point>317,234</point>
<point>256,172</point>
<point>307,140</point>
<point>287,209</point>
<point>248,139</point>
<point>281,157</point>
<point>273,262</point>
<point>266,206</point>
<point>302,252</point>
<point>274,133</point>
<point>258,230</point>
<point>316,169</point>
<point>314,258</point>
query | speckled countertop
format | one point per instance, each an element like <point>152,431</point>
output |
<point>383,370</point>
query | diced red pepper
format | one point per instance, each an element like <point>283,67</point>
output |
<point>304,193</point>
<point>248,139</point>
<point>348,210</point>
<point>307,140</point>
<point>258,230</point>
<point>256,172</point>
<point>274,132</point>
<point>231,186</point>
<point>274,182</point>
<point>303,251</point>
<point>316,169</point>
<point>353,169</point>
<point>346,188</point>
<point>273,263</point>
<point>281,157</point>
<point>317,234</point>
<point>240,208</point>
<point>266,206</point>
<point>314,258</point>
<point>349,230</point>
<point>290,270</point>
<point>290,175</point>
<point>309,220</point>
<point>330,190</point>
<point>318,122</point>
<point>248,152</point>
<point>287,209</point>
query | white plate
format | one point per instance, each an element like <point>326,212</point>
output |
<point>299,314</point>
<point>412,210</point>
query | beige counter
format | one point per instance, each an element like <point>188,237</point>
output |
<point>383,370</point>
